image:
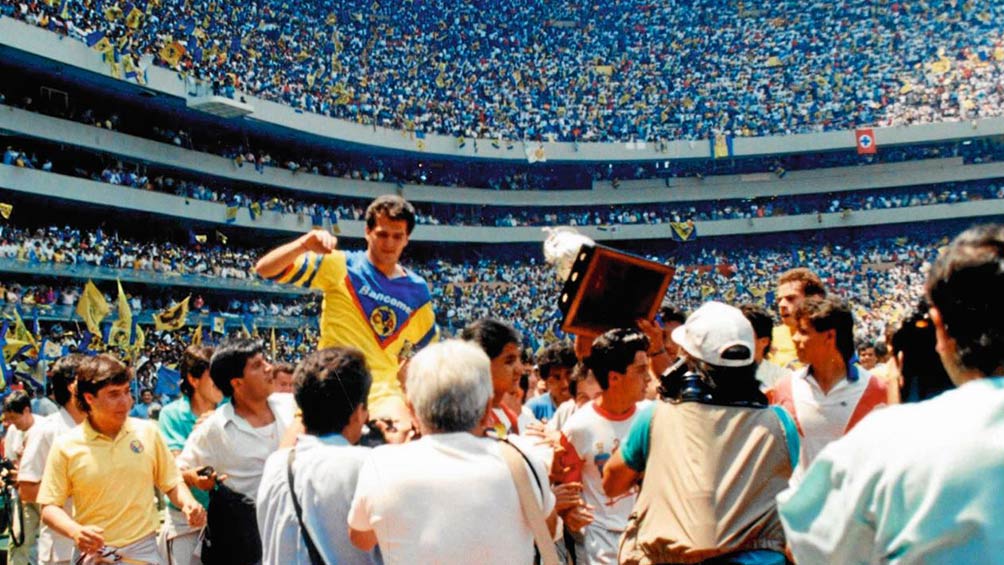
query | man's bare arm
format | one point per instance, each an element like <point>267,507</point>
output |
<point>28,491</point>
<point>275,261</point>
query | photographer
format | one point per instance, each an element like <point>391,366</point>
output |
<point>924,482</point>
<point>714,455</point>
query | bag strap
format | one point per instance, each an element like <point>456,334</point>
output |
<point>315,556</point>
<point>532,511</point>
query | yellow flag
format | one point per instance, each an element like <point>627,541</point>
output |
<point>172,318</point>
<point>21,332</point>
<point>682,230</point>
<point>197,335</point>
<point>92,307</point>
<point>113,13</point>
<point>125,312</point>
<point>941,66</point>
<point>103,46</point>
<point>5,210</point>
<point>172,53</point>
<point>220,325</point>
<point>134,18</point>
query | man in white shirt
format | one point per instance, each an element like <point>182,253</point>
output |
<point>620,364</point>
<point>18,418</point>
<point>240,435</point>
<point>829,395</point>
<point>448,497</point>
<point>331,387</point>
<point>20,424</point>
<point>53,548</point>
<point>924,482</point>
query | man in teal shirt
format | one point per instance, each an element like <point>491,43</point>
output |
<point>177,540</point>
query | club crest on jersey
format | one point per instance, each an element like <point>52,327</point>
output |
<point>136,446</point>
<point>383,320</point>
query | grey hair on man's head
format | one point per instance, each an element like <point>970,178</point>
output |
<point>449,385</point>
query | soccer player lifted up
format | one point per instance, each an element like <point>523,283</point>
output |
<point>370,301</point>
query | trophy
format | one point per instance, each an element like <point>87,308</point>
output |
<point>603,288</point>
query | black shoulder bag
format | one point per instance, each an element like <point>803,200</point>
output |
<point>315,556</point>
<point>231,536</point>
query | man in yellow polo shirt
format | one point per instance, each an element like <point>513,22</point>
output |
<point>110,465</point>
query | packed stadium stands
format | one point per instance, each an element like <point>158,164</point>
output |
<point>612,72</point>
<point>560,72</point>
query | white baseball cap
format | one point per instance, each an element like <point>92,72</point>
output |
<point>712,330</point>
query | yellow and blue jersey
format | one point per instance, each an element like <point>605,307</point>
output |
<point>365,309</point>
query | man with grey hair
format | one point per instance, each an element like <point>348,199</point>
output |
<point>452,484</point>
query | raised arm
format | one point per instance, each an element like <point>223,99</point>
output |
<point>275,261</point>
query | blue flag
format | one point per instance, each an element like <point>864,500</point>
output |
<point>34,324</point>
<point>94,37</point>
<point>84,345</point>
<point>168,380</point>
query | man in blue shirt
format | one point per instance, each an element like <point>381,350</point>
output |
<point>142,408</point>
<point>331,387</point>
<point>555,363</point>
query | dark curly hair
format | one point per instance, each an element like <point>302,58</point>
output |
<point>615,350</point>
<point>329,385</point>
<point>194,362</point>
<point>965,286</point>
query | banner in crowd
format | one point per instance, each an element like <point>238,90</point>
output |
<point>865,140</point>
<point>721,146</point>
<point>254,209</point>
<point>168,382</point>
<point>535,154</point>
<point>172,318</point>
<point>172,53</point>
<point>683,231</point>
<point>92,307</point>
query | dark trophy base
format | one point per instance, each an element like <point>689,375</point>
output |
<point>609,289</point>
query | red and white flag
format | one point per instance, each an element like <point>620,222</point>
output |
<point>865,139</point>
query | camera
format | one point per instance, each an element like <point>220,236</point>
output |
<point>679,384</point>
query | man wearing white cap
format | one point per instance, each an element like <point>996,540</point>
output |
<point>713,453</point>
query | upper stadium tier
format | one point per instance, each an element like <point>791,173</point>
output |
<point>561,81</point>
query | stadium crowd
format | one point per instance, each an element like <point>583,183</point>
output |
<point>567,71</point>
<point>259,152</point>
<point>587,420</point>
<point>319,209</point>
<point>153,299</point>
<point>880,274</point>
